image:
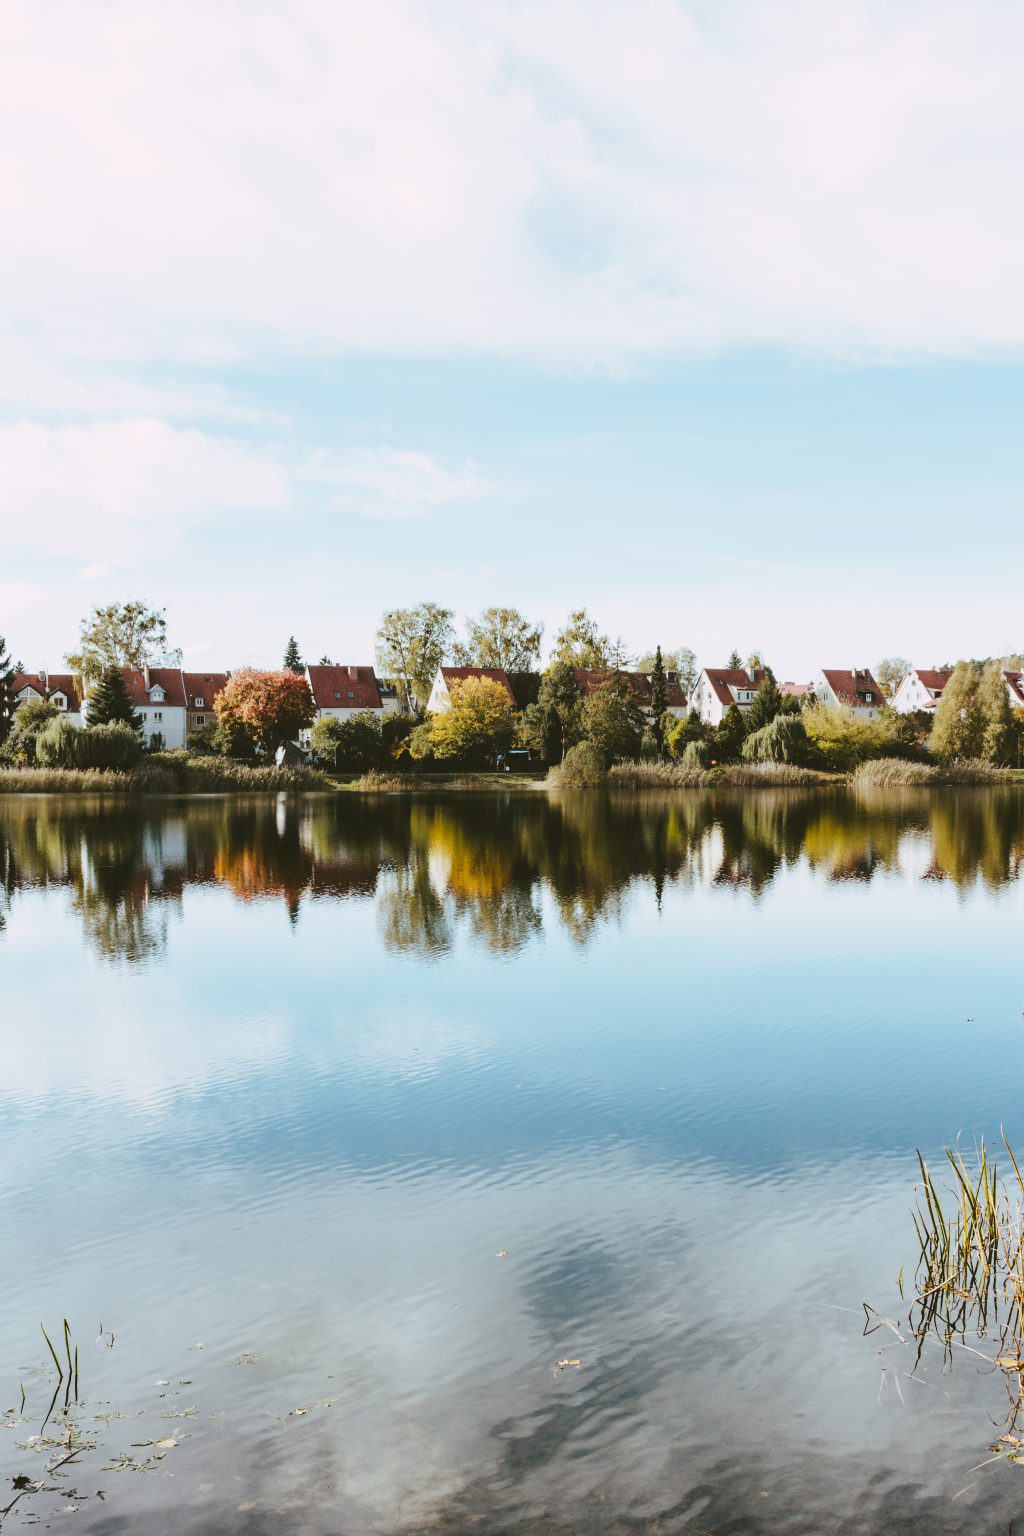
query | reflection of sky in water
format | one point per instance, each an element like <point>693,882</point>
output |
<point>675,1067</point>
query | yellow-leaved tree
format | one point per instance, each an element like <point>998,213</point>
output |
<point>478,724</point>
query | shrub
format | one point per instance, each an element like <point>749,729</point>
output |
<point>647,775</point>
<point>352,746</point>
<point>696,756</point>
<point>108,746</point>
<point>55,745</point>
<point>889,772</point>
<point>582,767</point>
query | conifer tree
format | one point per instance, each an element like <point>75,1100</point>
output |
<point>7,698</point>
<point>659,701</point>
<point>735,660</point>
<point>109,701</point>
<point>292,660</point>
<point>767,702</point>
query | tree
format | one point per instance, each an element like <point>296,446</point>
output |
<point>735,660</point>
<point>959,723</point>
<point>681,732</point>
<point>56,744</point>
<point>110,701</point>
<point>579,644</point>
<point>890,672</point>
<point>783,740</point>
<point>353,745</point>
<point>272,706</point>
<point>325,661</point>
<point>659,701</point>
<point>1000,734</point>
<point>293,662</point>
<point>767,702</point>
<point>29,721</point>
<point>501,637</point>
<point>730,735</point>
<point>755,660</point>
<point>551,725</point>
<point>411,644</point>
<point>682,662</point>
<point>611,721</point>
<point>8,700</point>
<point>478,724</point>
<point>122,635</point>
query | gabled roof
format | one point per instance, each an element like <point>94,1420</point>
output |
<point>344,687</point>
<point>933,678</point>
<point>638,683</point>
<point>203,685</point>
<point>167,678</point>
<point>794,690</point>
<point>56,682</point>
<point>494,674</point>
<point>850,686</point>
<point>722,679</point>
<point>1015,683</point>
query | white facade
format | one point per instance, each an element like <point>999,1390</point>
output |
<point>719,688</point>
<point>854,691</point>
<point>918,690</point>
<point>163,722</point>
<point>40,691</point>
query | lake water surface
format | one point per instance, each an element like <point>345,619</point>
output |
<point>347,1119</point>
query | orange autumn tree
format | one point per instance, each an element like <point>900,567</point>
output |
<point>272,706</point>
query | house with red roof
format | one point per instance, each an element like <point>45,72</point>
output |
<point>1015,687</point>
<point>201,690</point>
<point>854,690</point>
<point>639,685</point>
<point>440,694</point>
<point>341,692</point>
<point>56,688</point>
<point>719,688</point>
<point>920,689</point>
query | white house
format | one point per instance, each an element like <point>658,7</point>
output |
<point>440,694</point>
<point>57,688</point>
<point>719,688</point>
<point>158,695</point>
<point>920,689</point>
<point>854,690</point>
<point>1015,686</point>
<point>639,685</point>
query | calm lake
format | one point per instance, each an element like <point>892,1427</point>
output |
<point>334,1125</point>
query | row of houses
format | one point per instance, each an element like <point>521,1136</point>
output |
<point>174,704</point>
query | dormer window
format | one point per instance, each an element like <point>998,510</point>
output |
<point>157,694</point>
<point>337,693</point>
<point>869,698</point>
<point>199,702</point>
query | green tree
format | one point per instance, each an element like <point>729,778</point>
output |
<point>56,744</point>
<point>500,637</point>
<point>579,644</point>
<point>353,745</point>
<point>611,721</point>
<point>293,662</point>
<point>108,746</point>
<point>659,700</point>
<point>783,740</point>
<point>959,727</point>
<point>681,732</point>
<point>551,725</point>
<point>735,659</point>
<point>767,702</point>
<point>411,644</point>
<point>122,635</point>
<point>29,721</point>
<point>1000,733</point>
<point>729,735</point>
<point>890,672</point>
<point>8,701</point>
<point>109,701</point>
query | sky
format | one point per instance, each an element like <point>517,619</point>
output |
<point>708,318</point>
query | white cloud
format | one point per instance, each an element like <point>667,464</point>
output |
<point>130,491</point>
<point>578,181</point>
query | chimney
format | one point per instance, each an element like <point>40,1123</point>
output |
<point>353,673</point>
<point>42,676</point>
<point>145,676</point>
<point>750,673</point>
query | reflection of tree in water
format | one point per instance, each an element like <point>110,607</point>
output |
<point>485,862</point>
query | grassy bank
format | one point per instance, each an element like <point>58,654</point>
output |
<point>652,775</point>
<point>185,776</point>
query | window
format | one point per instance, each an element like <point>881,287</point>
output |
<point>158,714</point>
<point>199,701</point>
<point>337,693</point>
<point>200,719</point>
<point>869,697</point>
<point>351,694</point>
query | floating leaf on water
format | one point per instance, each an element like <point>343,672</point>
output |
<point>166,1444</point>
<point>502,1253</point>
<point>248,1357</point>
<point>567,1364</point>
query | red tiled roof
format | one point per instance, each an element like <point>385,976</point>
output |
<point>56,682</point>
<point>205,686</point>
<point>638,683</point>
<point>167,678</point>
<point>496,675</point>
<point>344,687</point>
<point>1015,683</point>
<point>721,678</point>
<point>850,687</point>
<point>794,690</point>
<point>932,678</point>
